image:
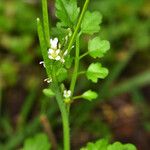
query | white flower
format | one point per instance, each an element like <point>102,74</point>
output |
<point>48,80</point>
<point>42,63</point>
<point>54,54</point>
<point>53,43</point>
<point>67,94</point>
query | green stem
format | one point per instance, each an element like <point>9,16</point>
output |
<point>77,97</point>
<point>63,110</point>
<point>78,25</point>
<point>82,72</point>
<point>0,100</point>
<point>75,73</point>
<point>83,55</point>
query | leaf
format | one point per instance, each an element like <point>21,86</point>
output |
<point>61,74</point>
<point>120,146</point>
<point>48,92</point>
<point>115,146</point>
<point>104,145</point>
<point>96,71</point>
<point>89,95</point>
<point>91,22</point>
<point>67,11</point>
<point>98,47</point>
<point>38,142</point>
<point>129,147</point>
<point>68,61</point>
<point>99,145</point>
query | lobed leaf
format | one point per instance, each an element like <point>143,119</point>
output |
<point>104,145</point>
<point>67,11</point>
<point>95,71</point>
<point>91,22</point>
<point>89,95</point>
<point>98,47</point>
<point>38,142</point>
<point>48,92</point>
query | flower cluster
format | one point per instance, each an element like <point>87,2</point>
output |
<point>67,94</point>
<point>54,52</point>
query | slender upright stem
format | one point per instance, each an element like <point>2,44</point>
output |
<point>78,25</point>
<point>63,110</point>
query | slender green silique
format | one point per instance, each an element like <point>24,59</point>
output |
<point>46,22</point>
<point>76,66</point>
<point>43,47</point>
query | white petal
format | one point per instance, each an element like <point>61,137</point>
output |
<point>69,93</point>
<point>56,40</point>
<point>50,51</point>
<point>48,80</point>
<point>64,93</point>
<point>58,58</point>
<point>57,51</point>
<point>50,57</point>
<point>53,43</point>
<point>41,62</point>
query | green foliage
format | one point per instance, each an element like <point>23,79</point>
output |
<point>95,71</point>
<point>89,95</point>
<point>104,145</point>
<point>119,146</point>
<point>98,47</point>
<point>38,142</point>
<point>48,92</point>
<point>61,74</point>
<point>91,22</point>
<point>67,11</point>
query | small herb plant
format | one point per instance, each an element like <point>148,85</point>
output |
<point>61,53</point>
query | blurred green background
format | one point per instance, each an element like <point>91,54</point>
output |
<point>122,111</point>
